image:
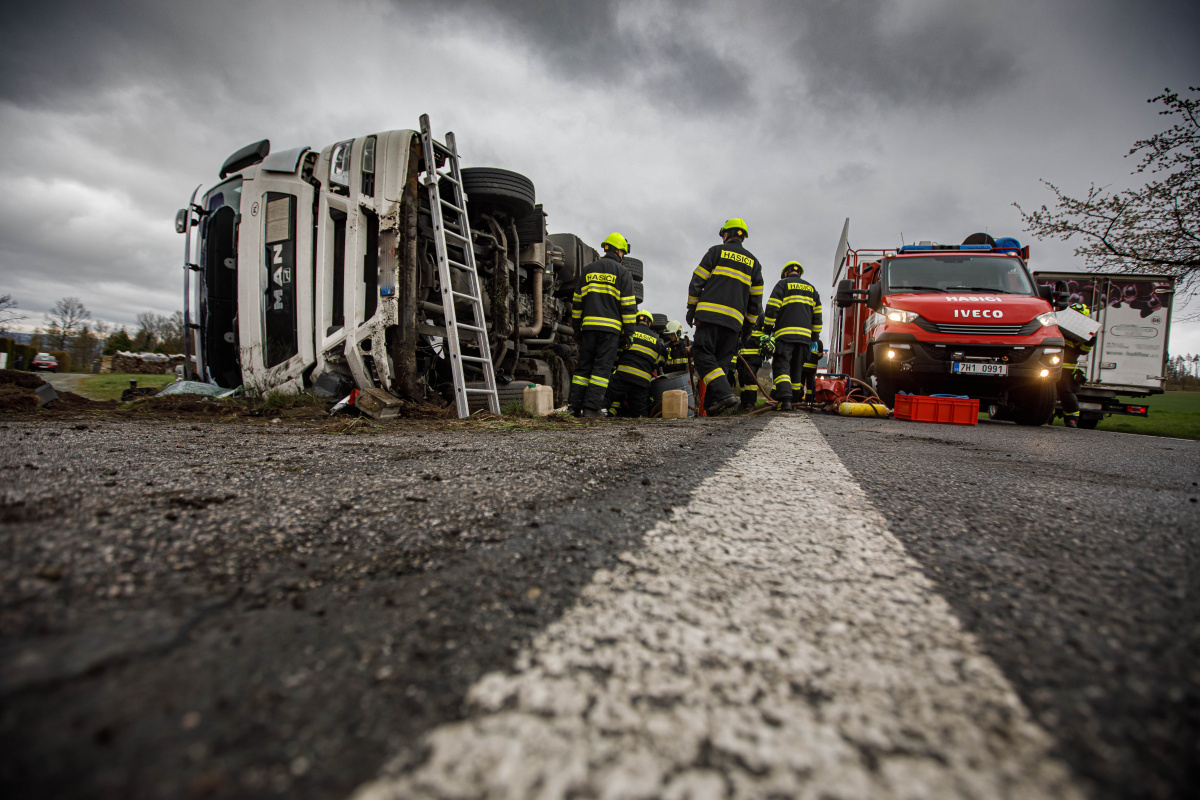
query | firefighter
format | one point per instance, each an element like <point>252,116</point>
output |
<point>640,359</point>
<point>603,308</point>
<point>791,320</point>
<point>808,376</point>
<point>724,299</point>
<point>1071,377</point>
<point>679,347</point>
<point>748,375</point>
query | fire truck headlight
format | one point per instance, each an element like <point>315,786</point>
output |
<point>900,315</point>
<point>1047,319</point>
<point>1045,373</point>
<point>1055,360</point>
<point>891,353</point>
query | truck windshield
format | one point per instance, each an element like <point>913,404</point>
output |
<point>950,273</point>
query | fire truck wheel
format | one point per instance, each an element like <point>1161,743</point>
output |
<point>1034,405</point>
<point>885,388</point>
<point>634,265</point>
<point>494,189</point>
<point>639,292</point>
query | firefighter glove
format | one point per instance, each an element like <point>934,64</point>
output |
<point>766,345</point>
<point>691,317</point>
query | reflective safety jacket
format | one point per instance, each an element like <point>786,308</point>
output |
<point>752,343</point>
<point>814,356</point>
<point>727,287</point>
<point>643,355</point>
<point>793,312</point>
<point>604,300</point>
<point>1073,352</point>
<point>677,360</point>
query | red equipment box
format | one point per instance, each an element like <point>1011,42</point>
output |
<point>919,408</point>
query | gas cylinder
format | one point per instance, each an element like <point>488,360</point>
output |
<point>862,410</point>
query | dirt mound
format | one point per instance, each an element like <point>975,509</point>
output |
<point>26,380</point>
<point>69,401</point>
<point>183,404</point>
<point>16,398</point>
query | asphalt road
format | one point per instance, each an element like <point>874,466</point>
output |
<point>233,610</point>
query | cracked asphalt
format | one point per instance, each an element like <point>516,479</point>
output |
<point>241,609</point>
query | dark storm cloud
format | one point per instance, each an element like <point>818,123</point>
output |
<point>943,55</point>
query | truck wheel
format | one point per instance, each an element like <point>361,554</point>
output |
<point>494,189</point>
<point>634,265</point>
<point>1034,405</point>
<point>1089,423</point>
<point>660,322</point>
<point>883,386</point>
<point>638,291</point>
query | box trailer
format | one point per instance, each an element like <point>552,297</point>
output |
<point>1129,358</point>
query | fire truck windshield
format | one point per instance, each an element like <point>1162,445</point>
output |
<point>948,273</point>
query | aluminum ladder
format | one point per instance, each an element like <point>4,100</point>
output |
<point>457,229</point>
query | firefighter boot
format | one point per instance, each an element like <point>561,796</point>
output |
<point>1070,422</point>
<point>784,405</point>
<point>749,399</point>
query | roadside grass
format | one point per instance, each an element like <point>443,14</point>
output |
<point>1174,414</point>
<point>110,385</point>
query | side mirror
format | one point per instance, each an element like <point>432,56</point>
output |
<point>875,295</point>
<point>847,295</point>
<point>1060,298</point>
<point>181,219</point>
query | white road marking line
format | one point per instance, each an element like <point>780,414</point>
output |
<point>773,638</point>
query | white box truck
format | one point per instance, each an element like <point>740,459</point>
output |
<point>1129,358</point>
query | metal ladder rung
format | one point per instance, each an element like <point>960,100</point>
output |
<point>476,359</point>
<point>454,263</point>
<point>464,296</point>
<point>458,236</point>
<point>467,327</point>
<point>478,391</point>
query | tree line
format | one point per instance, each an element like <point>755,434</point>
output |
<point>69,329</point>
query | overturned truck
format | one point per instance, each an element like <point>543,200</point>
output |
<point>318,271</point>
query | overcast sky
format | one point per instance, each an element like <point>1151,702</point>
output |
<point>921,118</point>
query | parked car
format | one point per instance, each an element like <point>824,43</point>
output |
<point>46,362</point>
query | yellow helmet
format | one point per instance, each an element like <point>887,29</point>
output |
<point>734,224</point>
<point>788,266</point>
<point>617,241</point>
<point>645,316</point>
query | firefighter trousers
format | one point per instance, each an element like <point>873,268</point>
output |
<point>1068,388</point>
<point>597,357</point>
<point>713,352</point>
<point>747,377</point>
<point>789,360</point>
<point>628,394</point>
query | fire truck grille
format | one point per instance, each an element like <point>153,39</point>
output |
<point>981,330</point>
<point>975,352</point>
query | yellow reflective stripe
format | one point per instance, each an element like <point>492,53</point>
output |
<point>783,379</point>
<point>774,302</point>
<point>768,322</point>
<point>730,272</point>
<point>629,319</point>
<point>577,313</point>
<point>808,301</point>
<point>629,300</point>
<point>702,272</point>
<point>692,299</point>
<point>717,308</point>
<point>756,290</point>
<point>596,380</point>
<point>712,376</point>
<point>641,373</point>
<point>579,380</point>
<point>601,322</point>
<point>641,348</point>
<point>748,351</point>
<point>796,330</point>
<point>600,288</point>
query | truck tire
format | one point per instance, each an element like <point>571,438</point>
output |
<point>660,322</point>
<point>532,229</point>
<point>1033,405</point>
<point>494,189</point>
<point>634,265</point>
<point>638,292</point>
<point>883,386</point>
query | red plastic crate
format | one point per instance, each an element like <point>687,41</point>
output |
<point>919,408</point>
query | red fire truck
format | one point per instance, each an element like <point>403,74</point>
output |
<point>949,319</point>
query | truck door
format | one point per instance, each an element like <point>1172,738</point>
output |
<point>1131,345</point>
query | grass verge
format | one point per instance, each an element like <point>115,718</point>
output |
<point>1174,414</point>
<point>110,385</point>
